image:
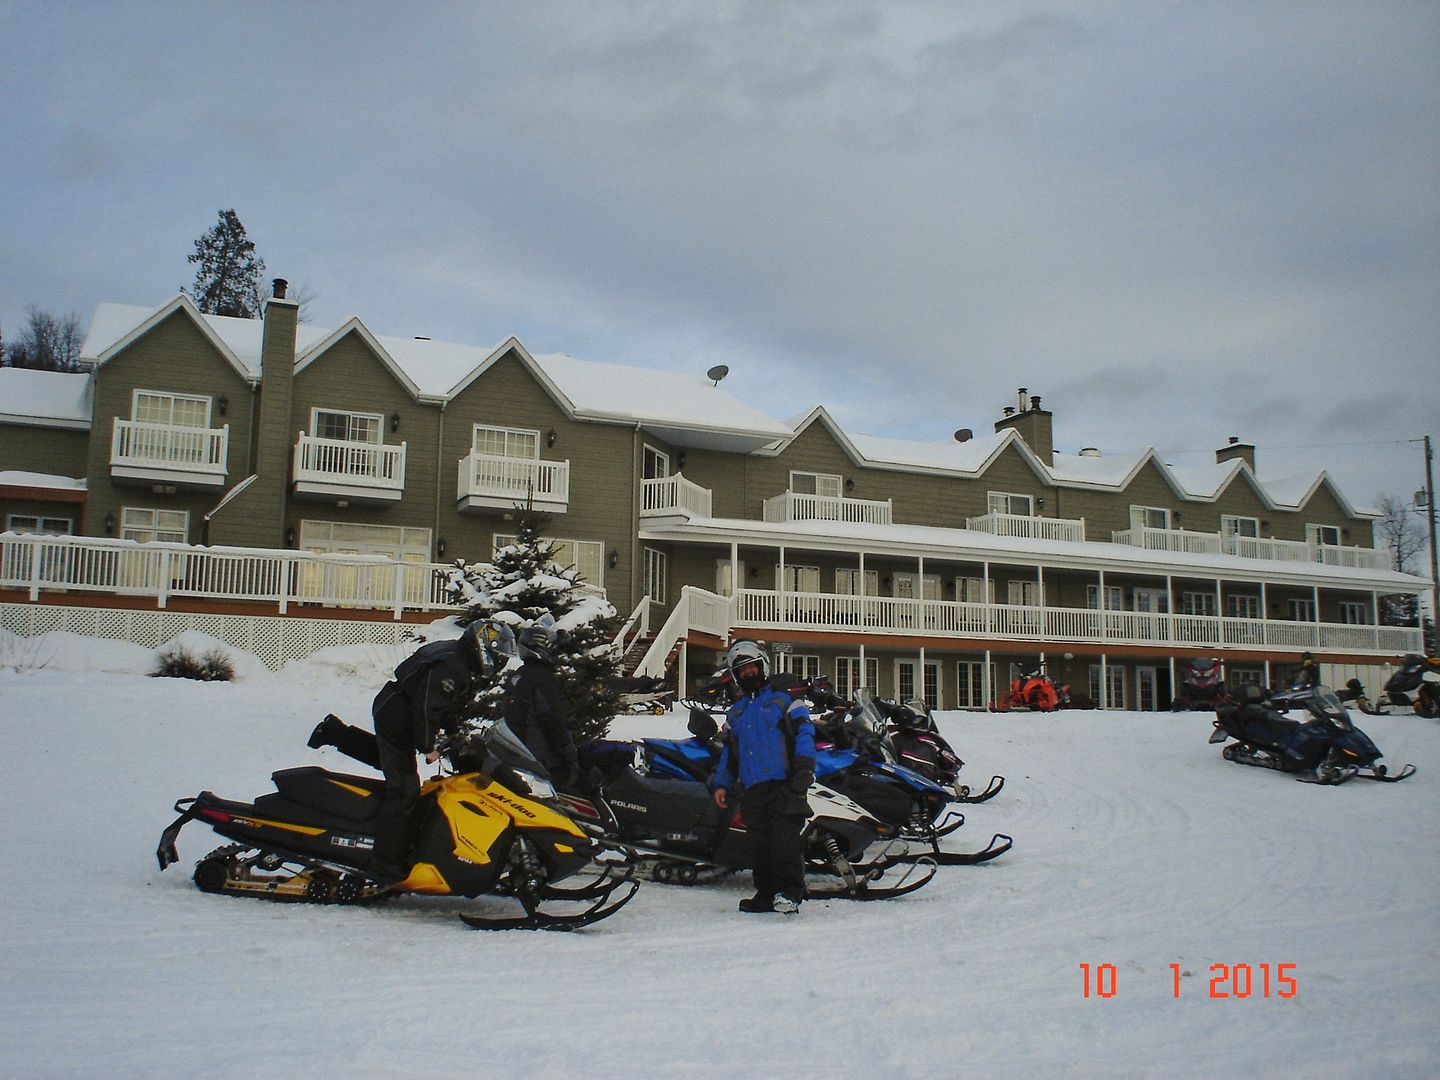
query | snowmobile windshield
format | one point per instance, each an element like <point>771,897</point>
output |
<point>506,745</point>
<point>1325,705</point>
<point>868,716</point>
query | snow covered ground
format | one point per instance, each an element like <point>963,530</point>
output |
<point>1135,846</point>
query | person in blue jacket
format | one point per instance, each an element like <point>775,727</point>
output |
<point>770,749</point>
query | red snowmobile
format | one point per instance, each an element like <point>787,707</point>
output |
<point>1032,689</point>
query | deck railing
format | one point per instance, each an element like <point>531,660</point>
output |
<point>336,461</point>
<point>1038,528</point>
<point>1252,547</point>
<point>169,446</point>
<point>665,494</point>
<point>795,506</point>
<point>493,476</point>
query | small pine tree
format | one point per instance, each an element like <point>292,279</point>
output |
<point>521,585</point>
<point>227,277</point>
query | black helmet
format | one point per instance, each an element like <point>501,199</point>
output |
<point>492,643</point>
<point>537,641</point>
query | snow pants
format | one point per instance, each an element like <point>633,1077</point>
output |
<point>396,753</point>
<point>773,824</point>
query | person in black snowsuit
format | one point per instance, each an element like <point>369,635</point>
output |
<point>1309,674</point>
<point>534,706</point>
<point>428,693</point>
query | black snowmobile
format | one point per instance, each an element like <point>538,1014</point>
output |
<point>500,831</point>
<point>911,738</point>
<point>1418,675</point>
<point>1326,749</point>
<point>655,803</point>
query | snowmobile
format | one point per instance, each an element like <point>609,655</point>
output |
<point>500,831</point>
<point>915,741</point>
<point>1034,690</point>
<point>1327,749</point>
<point>664,816</point>
<point>1418,675</point>
<point>715,695</point>
<point>1299,693</point>
<point>1202,686</point>
<point>645,694</point>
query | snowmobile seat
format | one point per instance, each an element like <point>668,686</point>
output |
<point>355,798</point>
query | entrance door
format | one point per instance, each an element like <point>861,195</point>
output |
<point>1147,689</point>
<point>905,686</point>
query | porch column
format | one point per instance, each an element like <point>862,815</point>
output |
<point>735,568</point>
<point>1375,616</point>
<point>1315,594</point>
<point>1265,627</point>
<point>1104,682</point>
<point>780,587</point>
<point>1104,623</point>
<point>920,598</point>
<point>986,690</point>
<point>985,586</point>
<point>1173,687</point>
<point>1169,608</point>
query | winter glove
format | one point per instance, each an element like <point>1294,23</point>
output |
<point>800,782</point>
<point>566,775</point>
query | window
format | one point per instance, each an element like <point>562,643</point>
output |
<point>354,583</point>
<point>655,574</point>
<point>1322,535</point>
<point>970,685</point>
<point>587,556</point>
<point>1242,606</point>
<point>1236,677</point>
<point>848,676</point>
<point>805,666</point>
<point>1114,696</point>
<point>347,426</point>
<point>1231,525</point>
<point>1197,603</point>
<point>1023,593</point>
<point>723,585</point>
<point>802,579</point>
<point>974,590</point>
<point>1008,502</point>
<point>171,410</point>
<point>905,586</point>
<point>39,526</point>
<point>655,464</point>
<point>1302,610</point>
<point>809,483</point>
<point>146,525</point>
<point>1114,597</point>
<point>847,582</point>
<point>905,688</point>
<point>1354,612</point>
<point>1149,517</point>
<point>517,443</point>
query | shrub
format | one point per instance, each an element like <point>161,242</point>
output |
<point>180,663</point>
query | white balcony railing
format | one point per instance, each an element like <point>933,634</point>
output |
<point>162,570</point>
<point>336,461</point>
<point>670,493</point>
<point>1038,528</point>
<point>487,476</point>
<point>794,506</point>
<point>169,447</point>
<point>830,612</point>
<point>1252,547</point>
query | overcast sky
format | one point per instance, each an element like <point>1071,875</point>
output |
<point>1174,221</point>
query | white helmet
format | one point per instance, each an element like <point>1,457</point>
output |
<point>743,653</point>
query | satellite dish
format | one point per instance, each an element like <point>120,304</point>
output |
<point>716,373</point>
<point>964,435</point>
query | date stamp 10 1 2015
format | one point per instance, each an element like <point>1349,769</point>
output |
<point>1229,981</point>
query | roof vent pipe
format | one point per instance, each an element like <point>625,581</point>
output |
<point>1233,439</point>
<point>1022,392</point>
<point>278,287</point>
<point>1089,451</point>
<point>1009,410</point>
<point>1035,401</point>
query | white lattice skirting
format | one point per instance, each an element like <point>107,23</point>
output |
<point>276,640</point>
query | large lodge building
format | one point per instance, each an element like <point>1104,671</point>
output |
<point>285,487</point>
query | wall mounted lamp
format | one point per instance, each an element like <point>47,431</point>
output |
<point>290,537</point>
<point>886,582</point>
<point>222,403</point>
<point>1264,524</point>
<point>754,571</point>
<point>680,460</point>
<point>1040,503</point>
<point>110,523</point>
<point>614,558</point>
<point>1179,517</point>
<point>440,546</point>
<point>395,421</point>
<point>849,483</point>
<point>550,437</point>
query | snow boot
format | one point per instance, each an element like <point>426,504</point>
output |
<point>785,906</point>
<point>325,732</point>
<point>757,904</point>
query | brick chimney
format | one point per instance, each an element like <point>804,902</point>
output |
<point>1233,449</point>
<point>1033,424</point>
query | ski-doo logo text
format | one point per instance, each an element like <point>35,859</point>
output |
<point>519,808</point>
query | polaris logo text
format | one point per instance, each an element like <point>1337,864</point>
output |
<point>630,806</point>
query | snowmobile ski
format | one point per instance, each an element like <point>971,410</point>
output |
<point>965,795</point>
<point>1384,775</point>
<point>999,845</point>
<point>537,919</point>
<point>872,885</point>
<point>928,831</point>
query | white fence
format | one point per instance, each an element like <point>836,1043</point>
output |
<point>160,570</point>
<point>667,493</point>
<point>1252,547</point>
<point>794,506</point>
<point>1038,528</point>
<point>493,476</point>
<point>167,446</point>
<point>337,461</point>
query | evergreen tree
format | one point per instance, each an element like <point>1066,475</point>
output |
<point>228,272</point>
<point>521,585</point>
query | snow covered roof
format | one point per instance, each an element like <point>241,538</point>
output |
<point>20,478</point>
<point>45,398</point>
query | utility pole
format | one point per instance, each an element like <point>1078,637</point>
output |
<point>1434,572</point>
